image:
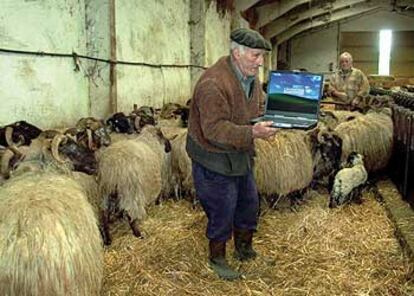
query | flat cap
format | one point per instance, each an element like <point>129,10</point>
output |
<point>250,38</point>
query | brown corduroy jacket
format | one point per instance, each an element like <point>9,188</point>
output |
<point>219,129</point>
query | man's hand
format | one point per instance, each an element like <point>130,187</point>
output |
<point>263,129</point>
<point>339,94</point>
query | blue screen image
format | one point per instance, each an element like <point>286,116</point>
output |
<point>301,85</point>
<point>295,92</point>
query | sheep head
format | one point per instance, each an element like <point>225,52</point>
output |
<point>83,159</point>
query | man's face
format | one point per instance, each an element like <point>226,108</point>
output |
<point>345,63</point>
<point>250,60</point>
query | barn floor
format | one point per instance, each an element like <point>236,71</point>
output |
<point>308,250</point>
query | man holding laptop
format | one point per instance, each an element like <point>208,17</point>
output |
<point>220,143</point>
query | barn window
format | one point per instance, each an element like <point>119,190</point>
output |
<point>385,42</point>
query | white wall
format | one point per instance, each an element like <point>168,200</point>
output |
<point>217,35</point>
<point>154,32</point>
<point>48,92</point>
<point>98,45</point>
<point>43,90</point>
<point>316,50</point>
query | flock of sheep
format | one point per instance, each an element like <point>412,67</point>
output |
<point>60,188</point>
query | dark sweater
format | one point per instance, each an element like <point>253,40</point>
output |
<point>219,131</point>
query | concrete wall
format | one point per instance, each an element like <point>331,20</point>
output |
<point>316,50</point>
<point>49,92</point>
<point>97,24</point>
<point>44,90</point>
<point>217,34</point>
<point>154,32</point>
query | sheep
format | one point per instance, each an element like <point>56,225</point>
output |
<point>287,164</point>
<point>370,135</point>
<point>20,131</point>
<point>330,119</point>
<point>92,133</point>
<point>127,127</point>
<point>60,151</point>
<point>89,185</point>
<point>49,238</point>
<point>349,181</point>
<point>180,163</point>
<point>132,174</point>
<point>283,164</point>
<point>173,114</point>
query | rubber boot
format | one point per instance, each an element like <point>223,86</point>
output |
<point>219,263</point>
<point>243,240</point>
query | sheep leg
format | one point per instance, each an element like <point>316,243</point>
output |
<point>106,237</point>
<point>133,223</point>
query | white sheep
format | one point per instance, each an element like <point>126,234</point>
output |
<point>49,238</point>
<point>132,175</point>
<point>349,181</point>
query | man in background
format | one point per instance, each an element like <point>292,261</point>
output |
<point>349,85</point>
<point>220,144</point>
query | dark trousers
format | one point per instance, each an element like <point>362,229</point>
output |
<point>228,201</point>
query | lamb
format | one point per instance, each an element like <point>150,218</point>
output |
<point>132,174</point>
<point>349,181</point>
<point>49,238</point>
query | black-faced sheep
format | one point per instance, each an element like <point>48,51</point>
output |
<point>61,151</point>
<point>349,181</point>
<point>132,175</point>
<point>92,133</point>
<point>49,238</point>
<point>20,132</point>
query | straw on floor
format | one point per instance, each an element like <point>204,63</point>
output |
<point>313,250</point>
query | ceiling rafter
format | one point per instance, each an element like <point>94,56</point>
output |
<point>334,17</point>
<point>272,11</point>
<point>283,23</point>
<point>242,5</point>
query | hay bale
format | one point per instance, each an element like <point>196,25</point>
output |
<point>283,163</point>
<point>370,135</point>
<point>49,239</point>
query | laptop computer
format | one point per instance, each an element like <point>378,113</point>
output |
<point>293,99</point>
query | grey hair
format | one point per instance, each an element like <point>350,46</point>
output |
<point>346,55</point>
<point>234,45</point>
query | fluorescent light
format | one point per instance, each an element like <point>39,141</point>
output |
<point>385,52</point>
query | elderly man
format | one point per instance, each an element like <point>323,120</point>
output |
<point>349,85</point>
<point>220,143</point>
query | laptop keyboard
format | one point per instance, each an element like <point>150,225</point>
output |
<point>288,119</point>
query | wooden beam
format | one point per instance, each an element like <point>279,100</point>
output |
<point>113,86</point>
<point>272,11</point>
<point>242,5</point>
<point>283,23</point>
<point>405,3</point>
<point>334,17</point>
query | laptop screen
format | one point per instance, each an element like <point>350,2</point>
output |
<point>294,93</point>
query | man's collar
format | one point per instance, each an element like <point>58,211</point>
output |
<point>347,71</point>
<point>239,74</point>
